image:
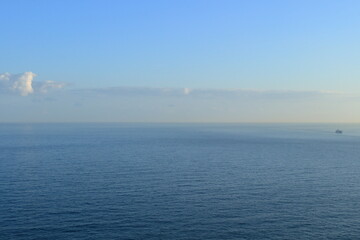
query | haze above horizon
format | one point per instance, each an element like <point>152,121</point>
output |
<point>180,61</point>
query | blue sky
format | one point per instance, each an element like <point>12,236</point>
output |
<point>260,45</point>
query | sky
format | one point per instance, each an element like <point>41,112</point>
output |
<point>180,61</point>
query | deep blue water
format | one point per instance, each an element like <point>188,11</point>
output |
<point>179,181</point>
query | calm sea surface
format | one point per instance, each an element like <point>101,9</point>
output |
<point>179,181</point>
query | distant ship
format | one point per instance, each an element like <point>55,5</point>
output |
<point>338,131</point>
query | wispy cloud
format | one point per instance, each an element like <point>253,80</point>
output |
<point>44,87</point>
<point>133,104</point>
<point>24,85</point>
<point>204,92</point>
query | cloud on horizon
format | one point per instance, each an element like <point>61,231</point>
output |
<point>24,85</point>
<point>204,92</point>
<point>156,104</point>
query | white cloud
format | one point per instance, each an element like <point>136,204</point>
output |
<point>187,91</point>
<point>24,85</point>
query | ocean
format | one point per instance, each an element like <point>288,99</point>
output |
<point>179,181</point>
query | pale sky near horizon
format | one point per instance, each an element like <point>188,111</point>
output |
<point>180,61</point>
